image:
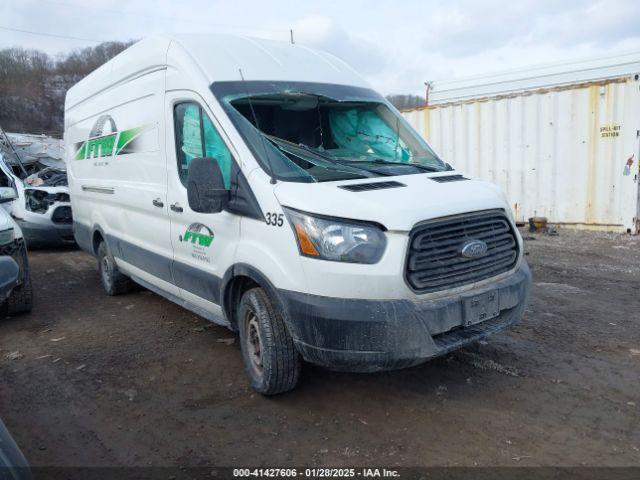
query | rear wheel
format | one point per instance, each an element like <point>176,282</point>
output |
<point>113,281</point>
<point>271,360</point>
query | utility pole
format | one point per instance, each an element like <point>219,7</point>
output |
<point>427,86</point>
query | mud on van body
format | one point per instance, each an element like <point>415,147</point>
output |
<point>266,187</point>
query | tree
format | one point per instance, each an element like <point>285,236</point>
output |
<point>33,85</point>
<point>405,102</point>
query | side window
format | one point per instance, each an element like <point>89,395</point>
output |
<point>197,137</point>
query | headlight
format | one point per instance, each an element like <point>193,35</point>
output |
<point>7,236</point>
<point>36,201</point>
<point>336,239</point>
<point>39,201</point>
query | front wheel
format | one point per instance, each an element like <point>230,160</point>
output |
<point>271,360</point>
<point>113,281</point>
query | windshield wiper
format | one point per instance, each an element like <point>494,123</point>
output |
<point>419,166</point>
<point>335,162</point>
<point>353,163</point>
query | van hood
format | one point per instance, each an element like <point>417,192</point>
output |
<point>419,198</point>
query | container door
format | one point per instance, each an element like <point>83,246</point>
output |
<point>637,177</point>
<point>203,244</point>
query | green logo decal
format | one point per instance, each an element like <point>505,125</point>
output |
<point>97,147</point>
<point>198,234</point>
<point>101,144</point>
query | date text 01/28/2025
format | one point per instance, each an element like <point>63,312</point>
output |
<point>315,473</point>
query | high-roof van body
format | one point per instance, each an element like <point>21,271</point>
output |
<point>267,187</point>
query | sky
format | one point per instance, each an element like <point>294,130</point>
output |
<point>396,45</point>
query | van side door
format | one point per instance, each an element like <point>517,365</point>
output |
<point>204,244</point>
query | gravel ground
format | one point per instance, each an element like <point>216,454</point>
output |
<point>91,380</point>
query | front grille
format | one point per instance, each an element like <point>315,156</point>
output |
<point>62,215</point>
<point>434,259</point>
<point>62,197</point>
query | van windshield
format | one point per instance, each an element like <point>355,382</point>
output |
<point>307,132</point>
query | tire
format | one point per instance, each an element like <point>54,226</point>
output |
<point>21,298</point>
<point>271,360</point>
<point>113,281</point>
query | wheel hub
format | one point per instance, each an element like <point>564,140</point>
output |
<point>106,271</point>
<point>254,342</point>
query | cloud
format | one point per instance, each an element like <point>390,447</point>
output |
<point>323,32</point>
<point>602,23</point>
<point>467,28</point>
<point>395,45</point>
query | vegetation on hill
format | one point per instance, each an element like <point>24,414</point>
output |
<point>33,85</point>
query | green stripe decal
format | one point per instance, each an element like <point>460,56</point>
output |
<point>127,136</point>
<point>80,154</point>
<point>104,146</point>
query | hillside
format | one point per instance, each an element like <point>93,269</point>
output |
<point>33,85</point>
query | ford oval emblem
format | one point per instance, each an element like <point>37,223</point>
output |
<point>473,249</point>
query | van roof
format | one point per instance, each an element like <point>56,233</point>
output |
<point>219,58</point>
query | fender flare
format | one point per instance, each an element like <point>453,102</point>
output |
<point>246,270</point>
<point>94,229</point>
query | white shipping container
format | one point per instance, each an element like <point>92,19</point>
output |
<point>563,141</point>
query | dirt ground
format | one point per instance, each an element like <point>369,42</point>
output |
<point>137,380</point>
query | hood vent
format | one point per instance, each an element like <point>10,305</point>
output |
<point>448,178</point>
<point>361,187</point>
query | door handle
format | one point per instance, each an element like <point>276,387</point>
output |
<point>158,203</point>
<point>176,207</point>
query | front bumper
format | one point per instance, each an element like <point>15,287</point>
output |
<point>39,234</point>
<point>372,335</point>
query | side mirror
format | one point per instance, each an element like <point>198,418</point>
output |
<point>205,186</point>
<point>7,194</point>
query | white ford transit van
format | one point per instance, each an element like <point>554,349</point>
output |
<point>266,187</point>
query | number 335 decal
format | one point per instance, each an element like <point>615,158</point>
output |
<point>275,219</point>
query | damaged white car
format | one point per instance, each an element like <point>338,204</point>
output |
<point>34,163</point>
<point>16,292</point>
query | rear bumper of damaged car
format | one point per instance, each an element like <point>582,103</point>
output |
<point>371,335</point>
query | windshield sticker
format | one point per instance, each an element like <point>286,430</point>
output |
<point>106,141</point>
<point>200,237</point>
